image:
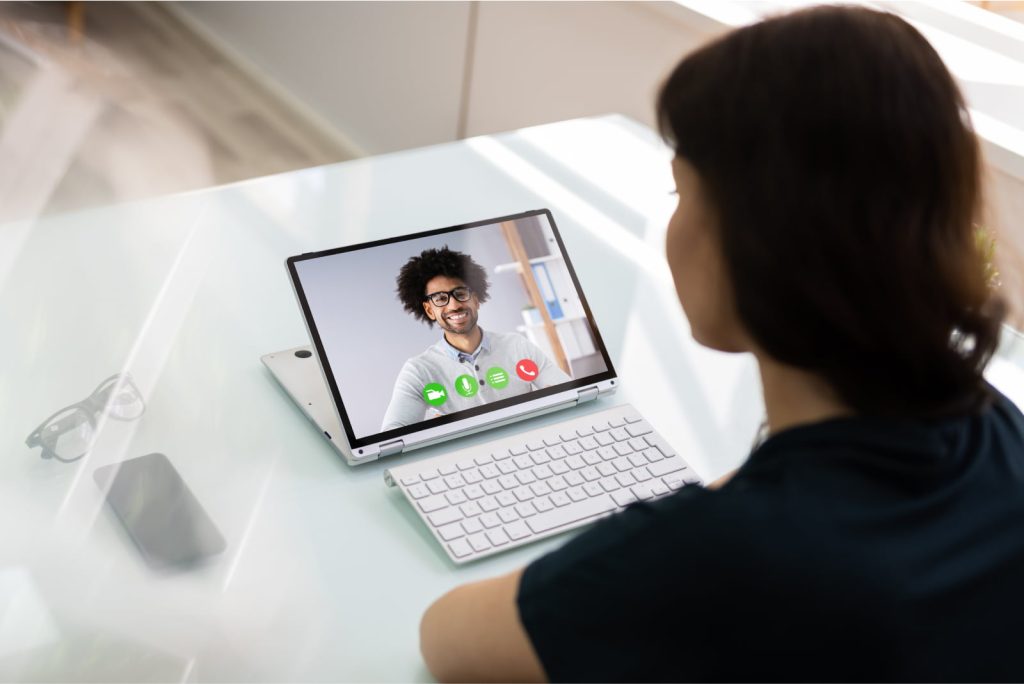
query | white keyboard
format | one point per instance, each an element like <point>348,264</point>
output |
<point>496,496</point>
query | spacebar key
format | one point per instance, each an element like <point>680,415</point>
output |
<point>570,514</point>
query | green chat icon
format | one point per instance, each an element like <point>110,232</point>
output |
<point>497,377</point>
<point>435,394</point>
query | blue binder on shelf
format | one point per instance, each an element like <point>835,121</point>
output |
<point>547,291</point>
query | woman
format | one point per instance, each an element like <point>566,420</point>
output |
<point>828,183</point>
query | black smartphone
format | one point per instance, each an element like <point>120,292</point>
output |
<point>159,511</point>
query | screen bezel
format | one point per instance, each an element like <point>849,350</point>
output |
<point>458,416</point>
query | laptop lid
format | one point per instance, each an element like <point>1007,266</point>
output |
<point>428,336</point>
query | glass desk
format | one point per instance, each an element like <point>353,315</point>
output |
<point>326,571</point>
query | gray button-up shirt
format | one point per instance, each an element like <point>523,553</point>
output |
<point>442,363</point>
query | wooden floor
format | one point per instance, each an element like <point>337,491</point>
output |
<point>135,105</point>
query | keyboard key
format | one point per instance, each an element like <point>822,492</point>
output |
<point>542,472</point>
<point>607,469</point>
<point>552,441</point>
<point>506,467</point>
<point>514,451</point>
<point>588,443</point>
<point>523,494</point>
<point>669,465</point>
<point>449,532</point>
<point>575,462</point>
<point>429,474</point>
<point>572,447</point>
<point>472,476</point>
<point>491,486</point>
<point>560,499</point>
<point>622,464</point>
<point>483,459</point>
<point>542,522</point>
<point>497,537</point>
<point>517,530</point>
<point>448,469</point>
<point>601,426</point>
<point>490,470</point>
<point>625,479</point>
<point>690,477</point>
<point>525,477</point>
<point>673,481</point>
<point>410,480</point>
<point>658,488</point>
<point>436,486</point>
<point>505,499</point>
<point>472,525</point>
<point>622,448</point>
<point>490,520</point>
<point>617,422</point>
<point>573,478</point>
<point>479,542</point>
<point>418,491</point>
<point>473,492</point>
<point>455,481</point>
<point>568,435</point>
<point>508,481</point>
<point>523,461</point>
<point>637,444</point>
<point>609,484</point>
<point>543,504</point>
<point>525,509</point>
<point>460,548</point>
<point>653,455</point>
<point>507,515</point>
<point>638,460</point>
<point>623,497</point>
<point>540,457</point>
<point>557,483</point>
<point>604,439</point>
<point>584,431</point>
<point>455,497</point>
<point>489,504</point>
<point>641,474</point>
<point>445,516</point>
<point>593,489</point>
<point>559,467</point>
<point>607,453</point>
<point>639,429</point>
<point>633,419</point>
<point>618,434</point>
<point>470,509</point>
<point>540,488</point>
<point>641,491</point>
<point>534,445</point>
<point>590,474</point>
<point>557,451</point>
<point>465,464</point>
<point>591,458</point>
<point>434,503</point>
<point>576,494</point>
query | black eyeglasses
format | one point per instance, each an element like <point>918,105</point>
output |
<point>439,299</point>
<point>67,434</point>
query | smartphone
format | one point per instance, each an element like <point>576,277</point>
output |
<point>159,511</point>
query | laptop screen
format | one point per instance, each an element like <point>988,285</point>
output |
<point>432,328</point>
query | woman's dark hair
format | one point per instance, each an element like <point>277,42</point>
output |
<point>839,156</point>
<point>417,271</point>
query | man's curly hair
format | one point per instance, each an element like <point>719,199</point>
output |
<point>412,279</point>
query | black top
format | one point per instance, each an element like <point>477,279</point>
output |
<point>853,549</point>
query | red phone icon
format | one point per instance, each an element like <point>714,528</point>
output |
<point>526,370</point>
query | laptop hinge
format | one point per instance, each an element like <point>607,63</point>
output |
<point>586,394</point>
<point>392,448</point>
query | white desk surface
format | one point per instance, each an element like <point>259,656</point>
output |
<point>327,571</point>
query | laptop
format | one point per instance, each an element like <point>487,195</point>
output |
<point>391,370</point>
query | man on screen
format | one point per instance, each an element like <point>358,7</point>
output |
<point>467,367</point>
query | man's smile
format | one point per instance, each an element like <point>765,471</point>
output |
<point>457,317</point>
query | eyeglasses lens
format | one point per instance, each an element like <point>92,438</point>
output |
<point>121,400</point>
<point>67,436</point>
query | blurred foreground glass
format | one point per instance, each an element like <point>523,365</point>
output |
<point>67,434</point>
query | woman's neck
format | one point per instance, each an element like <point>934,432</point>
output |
<point>795,397</point>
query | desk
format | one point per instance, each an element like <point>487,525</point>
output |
<point>327,571</point>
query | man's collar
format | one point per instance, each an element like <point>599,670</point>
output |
<point>458,355</point>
